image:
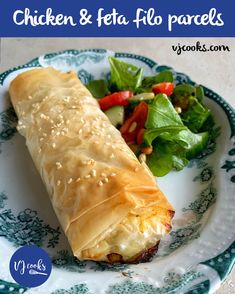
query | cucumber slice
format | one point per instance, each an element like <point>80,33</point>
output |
<point>146,97</point>
<point>115,115</point>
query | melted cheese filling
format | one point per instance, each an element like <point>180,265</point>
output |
<point>132,236</point>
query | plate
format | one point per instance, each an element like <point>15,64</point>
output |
<point>195,258</point>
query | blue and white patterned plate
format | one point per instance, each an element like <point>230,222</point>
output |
<point>195,258</point>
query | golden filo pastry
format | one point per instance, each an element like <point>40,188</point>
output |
<point>106,201</point>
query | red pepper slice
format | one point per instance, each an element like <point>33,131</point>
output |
<point>115,99</point>
<point>135,123</point>
<point>164,88</point>
<point>140,136</point>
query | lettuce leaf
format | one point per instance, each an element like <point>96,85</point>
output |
<point>124,76</point>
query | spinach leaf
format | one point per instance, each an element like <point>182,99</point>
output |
<point>124,76</point>
<point>182,136</point>
<point>164,76</point>
<point>192,143</point>
<point>165,157</point>
<point>200,93</point>
<point>190,100</point>
<point>181,94</point>
<point>151,134</point>
<point>173,150</point>
<point>184,90</point>
<point>186,139</point>
<point>196,143</point>
<point>173,142</point>
<point>148,82</point>
<point>161,113</point>
<point>98,88</point>
<point>196,115</point>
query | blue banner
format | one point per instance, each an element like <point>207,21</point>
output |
<point>122,18</point>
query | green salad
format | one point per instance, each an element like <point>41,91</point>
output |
<point>163,123</point>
